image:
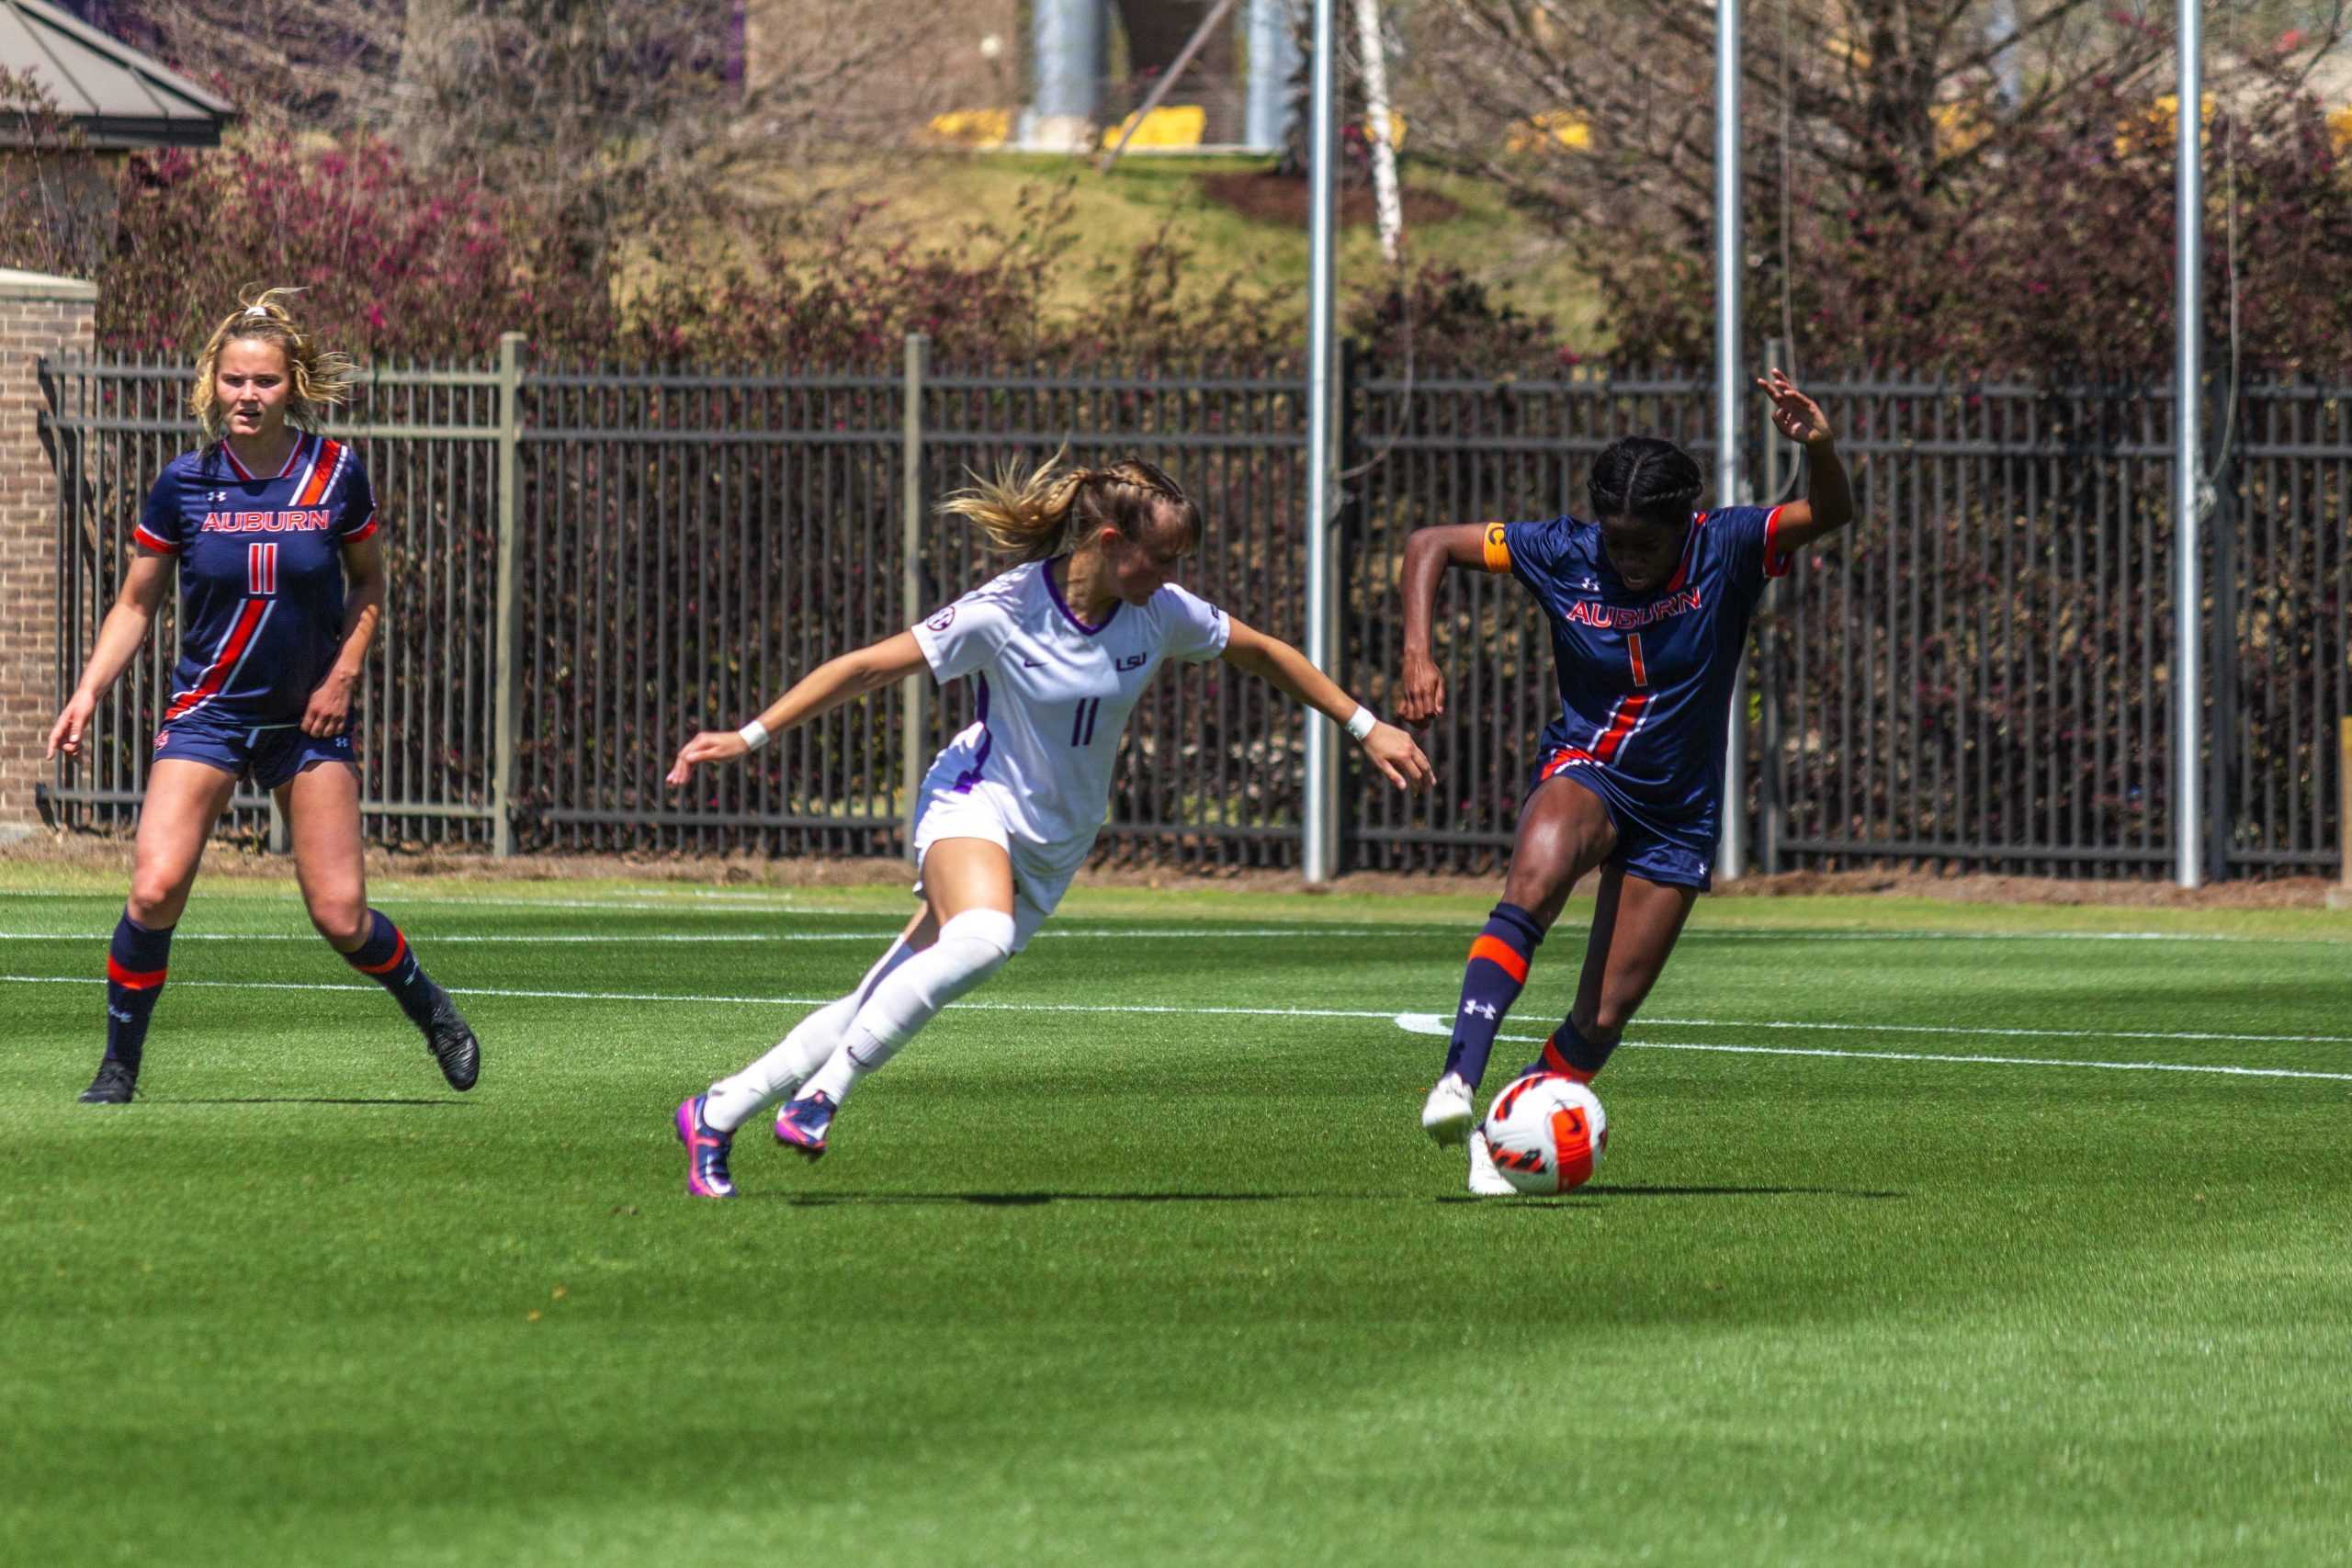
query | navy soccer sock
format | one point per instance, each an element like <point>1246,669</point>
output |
<point>1490,983</point>
<point>1570,1053</point>
<point>136,962</point>
<point>385,954</point>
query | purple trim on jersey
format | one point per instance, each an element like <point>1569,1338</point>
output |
<point>971,775</point>
<point>1071,615</point>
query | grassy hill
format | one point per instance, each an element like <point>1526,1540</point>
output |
<point>1237,218</point>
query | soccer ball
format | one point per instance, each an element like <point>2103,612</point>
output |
<point>1546,1133</point>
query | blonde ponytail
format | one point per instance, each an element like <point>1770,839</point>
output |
<point>322,380</point>
<point>1042,512</point>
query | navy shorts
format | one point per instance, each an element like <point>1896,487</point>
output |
<point>270,754</point>
<point>1683,857</point>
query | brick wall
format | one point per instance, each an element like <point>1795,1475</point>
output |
<point>38,316</point>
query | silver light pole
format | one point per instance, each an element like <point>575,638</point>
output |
<point>1274,57</point>
<point>1731,854</point>
<point>2189,457</point>
<point>1320,847</point>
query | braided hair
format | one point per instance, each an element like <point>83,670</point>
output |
<point>1039,513</point>
<point>1645,478</point>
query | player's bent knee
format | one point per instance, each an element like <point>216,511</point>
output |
<point>983,939</point>
<point>155,901</point>
<point>345,926</point>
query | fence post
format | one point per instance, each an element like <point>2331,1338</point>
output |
<point>914,693</point>
<point>508,709</point>
<point>2219,626</point>
<point>1767,748</point>
<point>2340,896</point>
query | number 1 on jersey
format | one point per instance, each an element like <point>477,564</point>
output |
<point>1633,653</point>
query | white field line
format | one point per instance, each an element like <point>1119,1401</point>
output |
<point>1431,1023</point>
<point>1436,1019</point>
<point>1417,1024</point>
<point>607,938</point>
<point>714,902</point>
<point>1441,1024</point>
<point>1299,930</point>
<point>668,905</point>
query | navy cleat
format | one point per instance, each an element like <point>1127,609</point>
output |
<point>706,1152</point>
<point>802,1124</point>
<point>452,1042</point>
<point>116,1081</point>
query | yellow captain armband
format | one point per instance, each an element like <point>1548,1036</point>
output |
<point>1498,548</point>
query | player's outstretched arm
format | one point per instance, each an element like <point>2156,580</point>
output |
<point>1428,552</point>
<point>120,636</point>
<point>1829,504</point>
<point>821,691</point>
<point>1270,659</point>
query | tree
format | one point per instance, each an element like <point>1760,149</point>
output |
<point>56,198</point>
<point>1888,140</point>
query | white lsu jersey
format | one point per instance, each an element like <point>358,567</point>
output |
<point>1054,697</point>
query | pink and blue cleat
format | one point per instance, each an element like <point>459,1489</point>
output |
<point>706,1152</point>
<point>801,1124</point>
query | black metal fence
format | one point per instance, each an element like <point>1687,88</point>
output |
<point>588,565</point>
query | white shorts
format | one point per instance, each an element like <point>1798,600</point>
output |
<point>1041,873</point>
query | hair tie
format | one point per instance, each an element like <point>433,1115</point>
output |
<point>253,311</point>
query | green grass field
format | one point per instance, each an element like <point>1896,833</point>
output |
<point>1898,1256</point>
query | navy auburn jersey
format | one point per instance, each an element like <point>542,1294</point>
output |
<point>261,574</point>
<point>1646,679</point>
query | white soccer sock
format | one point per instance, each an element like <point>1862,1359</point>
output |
<point>971,947</point>
<point>735,1100</point>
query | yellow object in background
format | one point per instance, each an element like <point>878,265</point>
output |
<point>977,128</point>
<point>1960,125</point>
<point>2339,125</point>
<point>2158,126</point>
<point>1171,125</point>
<point>1540,133</point>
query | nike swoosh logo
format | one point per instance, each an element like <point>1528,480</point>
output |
<point>1033,665</point>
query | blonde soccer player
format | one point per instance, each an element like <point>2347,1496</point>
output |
<point>270,527</point>
<point>1062,646</point>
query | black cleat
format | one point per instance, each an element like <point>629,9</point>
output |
<point>452,1042</point>
<point>115,1083</point>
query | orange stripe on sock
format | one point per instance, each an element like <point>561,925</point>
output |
<point>1498,952</point>
<point>136,979</point>
<point>1560,1065</point>
<point>399,951</point>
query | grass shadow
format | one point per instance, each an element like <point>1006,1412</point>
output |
<point>1034,1199</point>
<point>296,1100</point>
<point>1636,1189</point>
<point>1591,1197</point>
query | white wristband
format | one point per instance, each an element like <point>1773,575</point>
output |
<point>1359,724</point>
<point>755,734</point>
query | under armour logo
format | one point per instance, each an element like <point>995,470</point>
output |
<point>1481,1009</point>
<point>218,496</point>
<point>1589,584</point>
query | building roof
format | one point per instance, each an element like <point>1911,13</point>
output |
<point>118,97</point>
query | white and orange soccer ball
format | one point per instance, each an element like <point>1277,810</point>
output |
<point>1546,1133</point>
